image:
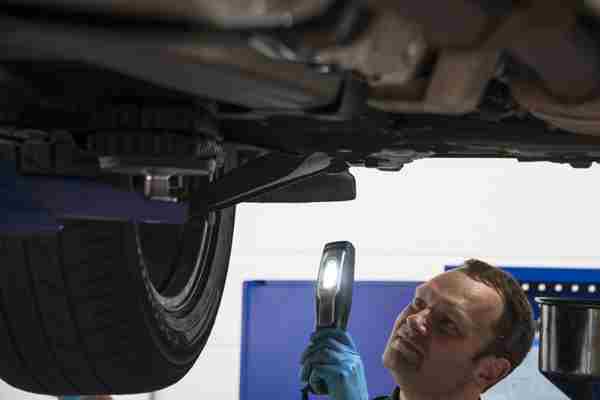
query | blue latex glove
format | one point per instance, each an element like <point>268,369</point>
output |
<point>331,365</point>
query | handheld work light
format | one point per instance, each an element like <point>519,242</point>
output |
<point>334,285</point>
<point>334,291</point>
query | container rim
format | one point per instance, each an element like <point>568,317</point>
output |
<point>568,302</point>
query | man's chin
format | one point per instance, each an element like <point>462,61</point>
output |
<point>396,360</point>
<point>405,374</point>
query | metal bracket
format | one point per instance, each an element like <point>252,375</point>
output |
<point>258,176</point>
<point>329,185</point>
<point>61,157</point>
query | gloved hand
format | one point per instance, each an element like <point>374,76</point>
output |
<point>331,365</point>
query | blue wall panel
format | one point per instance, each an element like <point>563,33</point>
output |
<point>585,280</point>
<point>278,318</point>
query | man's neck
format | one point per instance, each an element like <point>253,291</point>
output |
<point>414,395</point>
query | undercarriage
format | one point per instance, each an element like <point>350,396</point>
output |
<point>362,83</point>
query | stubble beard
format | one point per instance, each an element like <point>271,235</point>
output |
<point>403,370</point>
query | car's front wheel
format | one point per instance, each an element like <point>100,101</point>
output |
<point>110,306</point>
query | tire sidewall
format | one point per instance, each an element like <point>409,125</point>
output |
<point>174,343</point>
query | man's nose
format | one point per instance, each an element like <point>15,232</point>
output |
<point>420,322</point>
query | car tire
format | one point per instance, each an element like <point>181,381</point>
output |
<point>110,307</point>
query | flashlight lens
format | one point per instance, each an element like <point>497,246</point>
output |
<point>330,274</point>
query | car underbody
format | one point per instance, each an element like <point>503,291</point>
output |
<point>369,83</point>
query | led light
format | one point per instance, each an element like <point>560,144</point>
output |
<point>542,287</point>
<point>330,274</point>
<point>525,287</point>
<point>575,288</point>
<point>592,289</point>
<point>558,287</point>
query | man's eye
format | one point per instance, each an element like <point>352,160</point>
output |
<point>417,304</point>
<point>448,326</point>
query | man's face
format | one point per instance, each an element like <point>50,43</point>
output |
<point>435,339</point>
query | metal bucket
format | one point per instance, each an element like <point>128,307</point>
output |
<point>570,344</point>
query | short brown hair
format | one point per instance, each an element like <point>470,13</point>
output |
<point>515,329</point>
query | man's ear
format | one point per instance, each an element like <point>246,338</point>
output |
<point>490,370</point>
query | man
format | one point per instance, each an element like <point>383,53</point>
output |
<point>464,331</point>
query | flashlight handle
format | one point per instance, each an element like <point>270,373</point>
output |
<point>305,390</point>
<point>322,388</point>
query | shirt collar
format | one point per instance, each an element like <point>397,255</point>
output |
<point>396,394</point>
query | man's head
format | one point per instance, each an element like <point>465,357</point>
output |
<point>465,330</point>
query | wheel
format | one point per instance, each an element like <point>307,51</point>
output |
<point>110,307</point>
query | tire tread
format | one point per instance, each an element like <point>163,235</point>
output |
<point>83,332</point>
<point>16,366</point>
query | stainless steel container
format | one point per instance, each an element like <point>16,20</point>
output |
<point>570,344</point>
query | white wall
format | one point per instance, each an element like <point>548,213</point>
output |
<point>406,225</point>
